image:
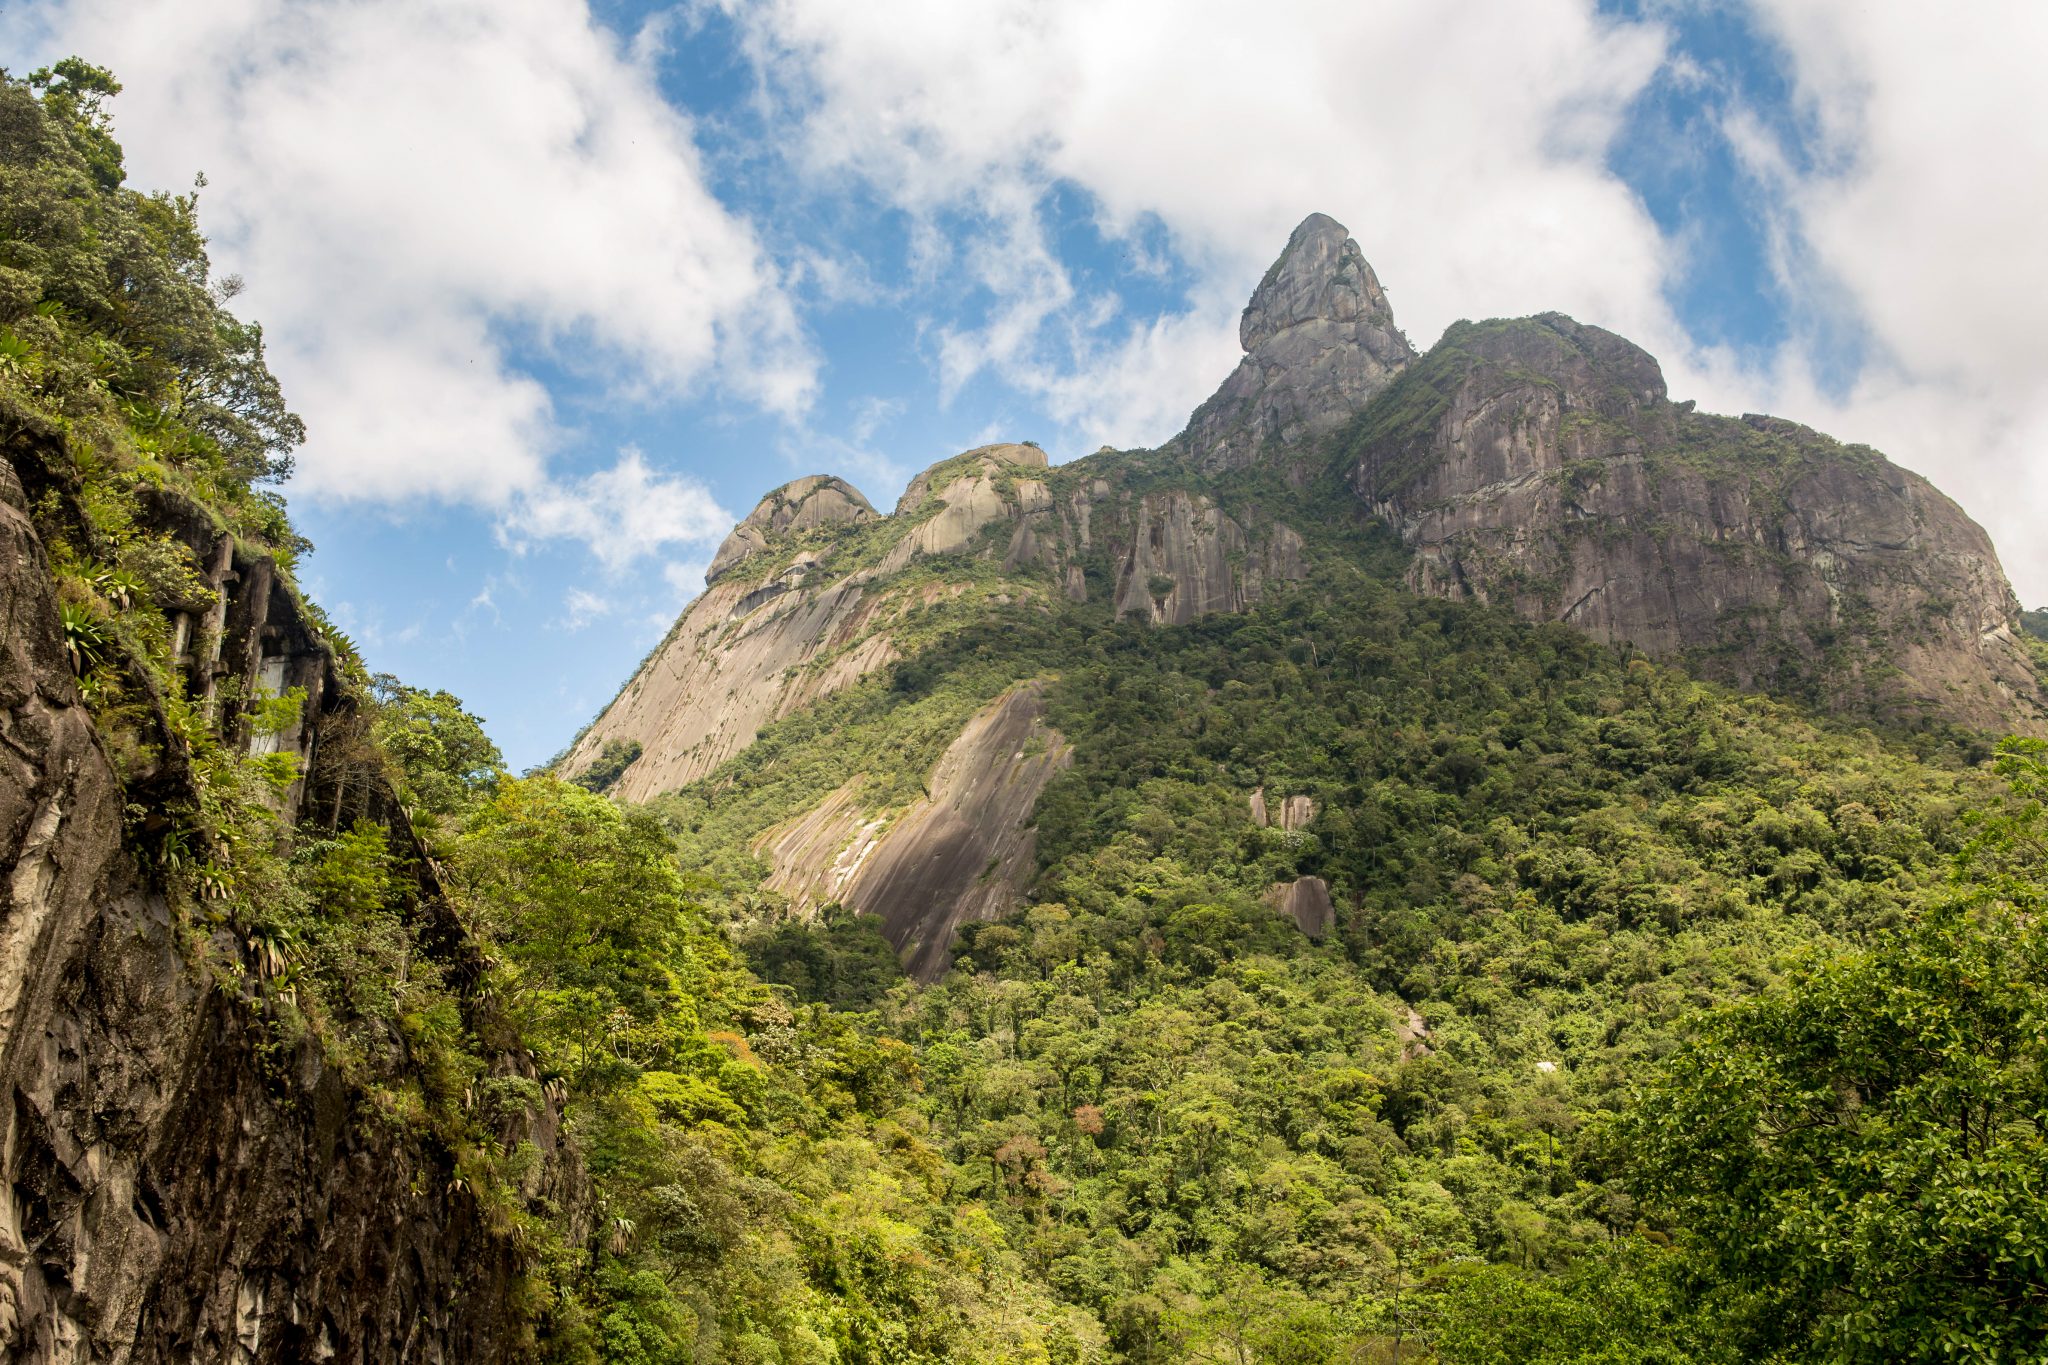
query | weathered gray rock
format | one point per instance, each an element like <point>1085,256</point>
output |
<point>1306,900</point>
<point>743,654</point>
<point>955,499</point>
<point>180,1180</point>
<point>1319,340</point>
<point>1294,812</point>
<point>806,504</point>
<point>1538,463</point>
<point>1187,559</point>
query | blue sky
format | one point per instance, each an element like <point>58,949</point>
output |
<point>563,286</point>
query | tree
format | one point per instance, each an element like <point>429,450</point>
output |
<point>445,759</point>
<point>584,905</point>
<point>1866,1150</point>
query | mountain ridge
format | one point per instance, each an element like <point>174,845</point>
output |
<point>1538,462</point>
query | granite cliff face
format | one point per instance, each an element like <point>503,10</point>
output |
<point>1320,342</point>
<point>807,504</point>
<point>174,1185</point>
<point>962,852</point>
<point>1540,464</point>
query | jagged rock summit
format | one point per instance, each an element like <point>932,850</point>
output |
<point>1320,342</point>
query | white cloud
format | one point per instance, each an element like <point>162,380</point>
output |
<point>1463,144</point>
<point>623,514</point>
<point>407,189</point>
<point>1922,223</point>
<point>580,607</point>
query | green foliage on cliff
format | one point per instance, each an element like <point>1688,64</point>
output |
<point>609,766</point>
<point>111,323</point>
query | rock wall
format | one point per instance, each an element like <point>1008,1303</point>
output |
<point>1319,341</point>
<point>1185,559</point>
<point>807,504</point>
<point>1290,813</point>
<point>744,653</point>
<point>1305,900</point>
<point>179,1182</point>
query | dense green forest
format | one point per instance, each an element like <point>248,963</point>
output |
<point>1657,1022</point>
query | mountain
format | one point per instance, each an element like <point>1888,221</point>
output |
<point>1145,910</point>
<point>1537,464</point>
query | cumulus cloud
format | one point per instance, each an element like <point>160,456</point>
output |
<point>422,198</point>
<point>1919,228</point>
<point>580,607</point>
<point>623,514</point>
<point>1461,142</point>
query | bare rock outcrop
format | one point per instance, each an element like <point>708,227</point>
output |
<point>1306,900</point>
<point>1187,559</point>
<point>743,654</point>
<point>1539,463</point>
<point>954,500</point>
<point>807,504</point>
<point>1319,340</point>
<point>1290,813</point>
<point>961,853</point>
<point>789,618</point>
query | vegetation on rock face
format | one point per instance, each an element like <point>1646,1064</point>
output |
<point>611,764</point>
<point>1658,1023</point>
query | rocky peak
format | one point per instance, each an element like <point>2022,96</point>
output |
<point>1539,463</point>
<point>984,462</point>
<point>1321,277</point>
<point>805,504</point>
<point>1319,340</point>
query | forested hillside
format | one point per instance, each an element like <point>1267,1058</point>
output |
<point>1384,977</point>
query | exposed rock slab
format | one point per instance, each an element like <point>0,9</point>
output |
<point>815,858</point>
<point>739,658</point>
<point>806,504</point>
<point>963,853</point>
<point>961,496</point>
<point>1187,559</point>
<point>1306,900</point>
<point>1293,812</point>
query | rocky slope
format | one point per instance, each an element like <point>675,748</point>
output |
<point>175,1183</point>
<point>1319,341</point>
<point>1535,463</point>
<point>964,851</point>
<point>799,608</point>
